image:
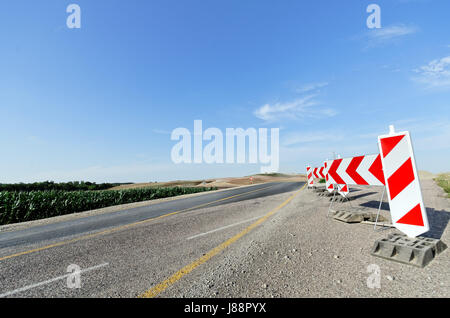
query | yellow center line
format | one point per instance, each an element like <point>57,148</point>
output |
<point>115,229</point>
<point>154,291</point>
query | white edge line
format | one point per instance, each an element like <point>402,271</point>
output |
<point>49,281</point>
<point>222,228</point>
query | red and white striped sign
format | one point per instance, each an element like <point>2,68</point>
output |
<point>402,183</point>
<point>318,173</point>
<point>329,182</point>
<point>361,170</point>
<point>343,190</point>
<point>309,173</point>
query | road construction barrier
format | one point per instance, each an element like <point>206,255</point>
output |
<point>331,182</point>
<point>394,169</point>
<point>318,173</point>
<point>361,170</point>
<point>343,190</point>
<point>402,183</point>
<point>309,174</point>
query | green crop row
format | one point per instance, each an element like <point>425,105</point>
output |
<point>64,186</point>
<point>26,206</point>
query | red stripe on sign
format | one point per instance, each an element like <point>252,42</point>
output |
<point>413,217</point>
<point>315,173</point>
<point>321,172</point>
<point>309,176</point>
<point>387,144</point>
<point>351,170</point>
<point>333,172</point>
<point>377,169</point>
<point>330,186</point>
<point>326,177</point>
<point>401,178</point>
<point>344,189</point>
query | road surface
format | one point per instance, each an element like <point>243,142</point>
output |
<point>132,252</point>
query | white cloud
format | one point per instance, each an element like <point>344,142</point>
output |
<point>311,87</point>
<point>296,109</point>
<point>389,34</point>
<point>304,107</point>
<point>435,74</point>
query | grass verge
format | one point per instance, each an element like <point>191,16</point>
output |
<point>443,180</point>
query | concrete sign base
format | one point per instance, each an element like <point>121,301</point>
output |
<point>340,198</point>
<point>325,194</point>
<point>356,216</point>
<point>418,251</point>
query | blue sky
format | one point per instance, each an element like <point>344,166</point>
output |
<point>99,103</point>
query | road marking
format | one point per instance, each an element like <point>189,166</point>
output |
<point>154,291</point>
<point>46,282</point>
<point>222,228</point>
<point>115,229</point>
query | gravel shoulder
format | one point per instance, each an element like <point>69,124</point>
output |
<point>300,252</point>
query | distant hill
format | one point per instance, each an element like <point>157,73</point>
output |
<point>426,175</point>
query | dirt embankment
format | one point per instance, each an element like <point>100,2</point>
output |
<point>220,183</point>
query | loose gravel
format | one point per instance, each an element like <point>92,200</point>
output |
<point>300,252</point>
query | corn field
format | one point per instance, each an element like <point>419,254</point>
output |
<point>64,186</point>
<point>26,206</point>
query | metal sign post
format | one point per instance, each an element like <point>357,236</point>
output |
<point>379,208</point>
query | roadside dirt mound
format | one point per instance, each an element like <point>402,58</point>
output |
<point>221,183</point>
<point>425,175</point>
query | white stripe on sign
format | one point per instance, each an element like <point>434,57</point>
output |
<point>341,170</point>
<point>49,281</point>
<point>222,228</point>
<point>402,184</point>
<point>363,170</point>
<point>397,157</point>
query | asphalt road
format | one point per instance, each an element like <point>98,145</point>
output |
<point>126,253</point>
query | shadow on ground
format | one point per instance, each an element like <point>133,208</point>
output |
<point>375,204</point>
<point>437,220</point>
<point>354,197</point>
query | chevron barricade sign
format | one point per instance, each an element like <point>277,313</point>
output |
<point>333,179</point>
<point>332,184</point>
<point>318,173</point>
<point>361,170</point>
<point>402,184</point>
<point>343,190</point>
<point>309,174</point>
<point>329,184</point>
